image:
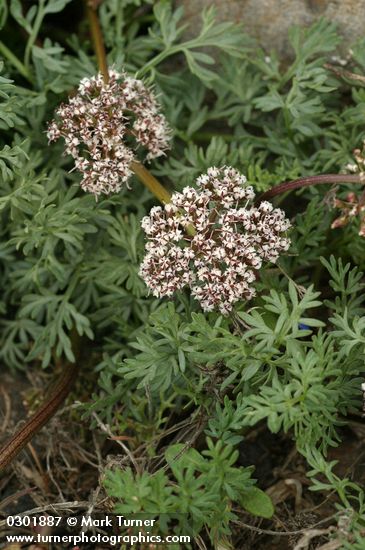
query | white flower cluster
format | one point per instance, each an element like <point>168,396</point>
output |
<point>228,243</point>
<point>100,125</point>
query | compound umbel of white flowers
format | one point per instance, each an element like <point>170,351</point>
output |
<point>104,124</point>
<point>232,238</point>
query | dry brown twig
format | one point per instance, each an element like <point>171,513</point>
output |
<point>343,73</point>
<point>13,498</point>
<point>310,534</point>
<point>280,533</point>
<point>106,429</point>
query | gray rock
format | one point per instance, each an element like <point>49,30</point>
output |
<point>269,20</point>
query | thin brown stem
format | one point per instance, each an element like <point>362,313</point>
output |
<point>47,409</point>
<point>322,179</point>
<point>98,41</point>
<point>343,73</point>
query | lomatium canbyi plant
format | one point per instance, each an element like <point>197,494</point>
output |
<point>182,223</point>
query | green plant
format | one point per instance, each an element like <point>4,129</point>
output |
<point>186,387</point>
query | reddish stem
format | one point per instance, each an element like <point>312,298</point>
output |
<point>47,409</point>
<point>328,179</point>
